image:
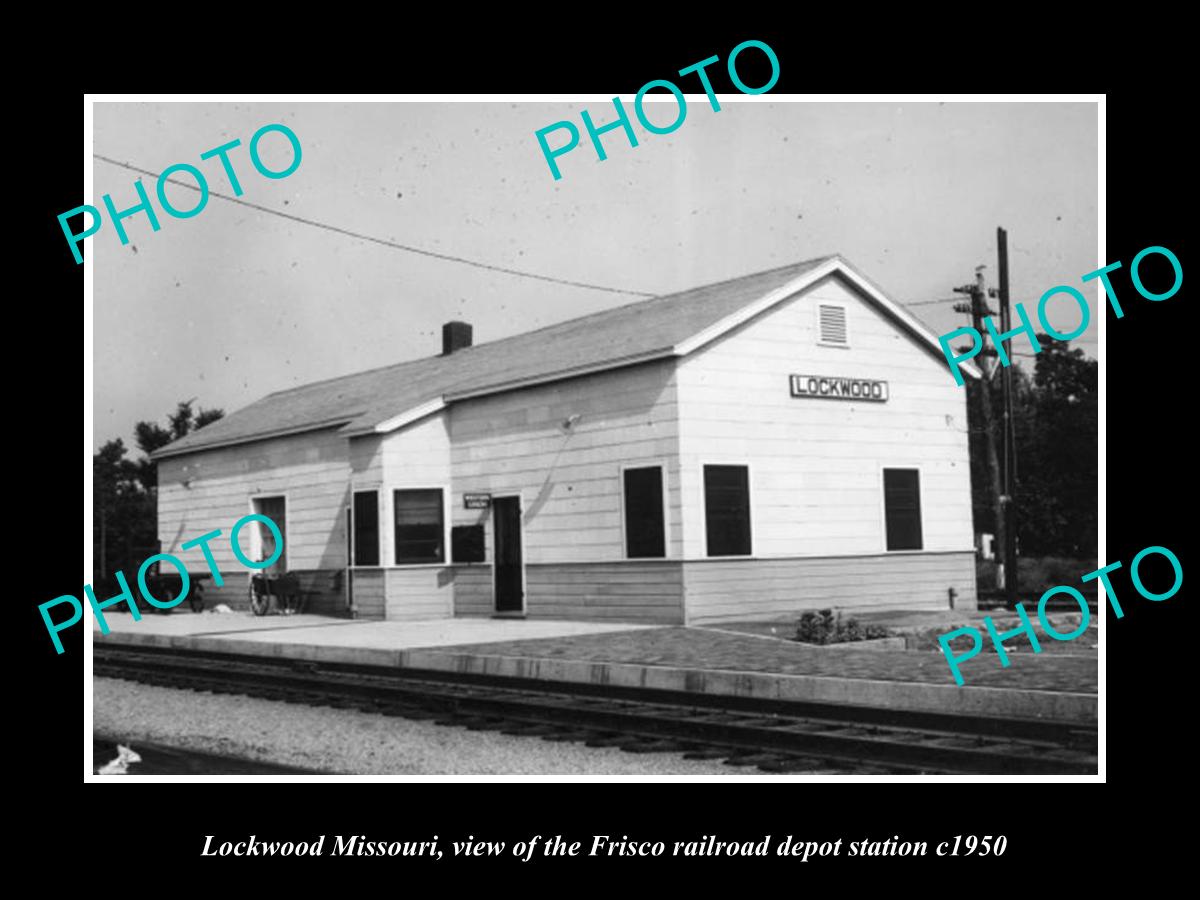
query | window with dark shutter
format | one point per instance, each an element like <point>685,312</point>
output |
<point>645,533</point>
<point>833,329</point>
<point>727,510</point>
<point>902,508</point>
<point>366,528</point>
<point>420,531</point>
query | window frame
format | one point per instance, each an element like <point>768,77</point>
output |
<point>920,470</point>
<point>845,308</point>
<point>661,465</point>
<point>392,562</point>
<point>752,524</point>
<point>377,490</point>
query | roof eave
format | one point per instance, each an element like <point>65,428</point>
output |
<point>170,450</point>
<point>415,413</point>
<point>437,404</point>
<point>562,374</point>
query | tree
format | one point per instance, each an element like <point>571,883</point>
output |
<point>208,416</point>
<point>1056,434</point>
<point>1058,468</point>
<point>123,512</point>
<point>151,436</point>
<point>124,494</point>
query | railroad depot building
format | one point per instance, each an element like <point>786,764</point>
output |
<point>786,440</point>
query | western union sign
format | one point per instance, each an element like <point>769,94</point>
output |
<point>839,388</point>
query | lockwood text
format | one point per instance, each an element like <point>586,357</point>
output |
<point>354,845</point>
<point>126,596</point>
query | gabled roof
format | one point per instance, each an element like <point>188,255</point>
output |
<point>383,399</point>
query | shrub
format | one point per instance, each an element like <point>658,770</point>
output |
<point>823,627</point>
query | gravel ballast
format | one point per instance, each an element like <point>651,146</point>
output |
<point>352,742</point>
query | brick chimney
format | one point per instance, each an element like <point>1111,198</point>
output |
<point>455,336</point>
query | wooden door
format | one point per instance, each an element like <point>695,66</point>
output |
<point>509,574</point>
<point>349,558</point>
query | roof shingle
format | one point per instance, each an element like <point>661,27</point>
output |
<point>365,399</point>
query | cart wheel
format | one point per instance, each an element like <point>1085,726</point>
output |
<point>258,602</point>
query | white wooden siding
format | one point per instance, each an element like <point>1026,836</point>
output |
<point>416,456</point>
<point>473,594</point>
<point>815,463</point>
<point>311,469</point>
<point>569,480</point>
<point>747,589</point>
<point>369,593</point>
<point>638,591</point>
<point>418,593</point>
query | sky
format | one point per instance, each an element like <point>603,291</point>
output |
<point>235,303</point>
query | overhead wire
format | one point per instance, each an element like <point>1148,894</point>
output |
<point>931,302</point>
<point>420,251</point>
<point>408,248</point>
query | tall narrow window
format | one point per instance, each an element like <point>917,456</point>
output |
<point>727,510</point>
<point>366,528</point>
<point>420,529</point>
<point>902,508</point>
<point>645,534</point>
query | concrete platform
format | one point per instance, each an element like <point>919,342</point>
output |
<point>664,658</point>
<point>330,632</point>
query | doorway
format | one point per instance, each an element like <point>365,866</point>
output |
<point>509,573</point>
<point>262,543</point>
<point>347,573</point>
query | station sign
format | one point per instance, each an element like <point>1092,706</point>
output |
<point>839,388</point>
<point>477,501</point>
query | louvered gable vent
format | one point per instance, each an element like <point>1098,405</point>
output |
<point>833,325</point>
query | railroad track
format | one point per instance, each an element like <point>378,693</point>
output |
<point>773,736</point>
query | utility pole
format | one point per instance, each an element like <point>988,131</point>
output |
<point>978,308</point>
<point>1010,443</point>
<point>103,545</point>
